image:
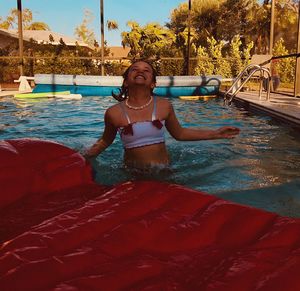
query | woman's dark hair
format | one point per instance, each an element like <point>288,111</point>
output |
<point>124,90</point>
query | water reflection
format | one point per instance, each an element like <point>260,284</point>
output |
<point>265,155</point>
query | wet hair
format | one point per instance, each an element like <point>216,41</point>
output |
<point>123,94</point>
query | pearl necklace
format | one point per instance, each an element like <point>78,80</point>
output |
<point>138,107</point>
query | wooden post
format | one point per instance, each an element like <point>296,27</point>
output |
<point>20,30</point>
<point>102,36</point>
<point>297,73</point>
<point>272,22</point>
<point>189,40</point>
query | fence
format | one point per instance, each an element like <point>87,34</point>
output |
<point>282,66</point>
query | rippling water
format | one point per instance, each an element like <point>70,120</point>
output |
<point>261,167</point>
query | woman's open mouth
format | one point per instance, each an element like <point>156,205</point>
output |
<point>140,77</point>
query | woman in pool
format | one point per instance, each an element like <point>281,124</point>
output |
<point>141,119</point>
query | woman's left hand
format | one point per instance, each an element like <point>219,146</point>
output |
<point>227,132</point>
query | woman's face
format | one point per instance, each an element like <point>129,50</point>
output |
<point>140,73</point>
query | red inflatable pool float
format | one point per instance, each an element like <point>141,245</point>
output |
<point>61,231</point>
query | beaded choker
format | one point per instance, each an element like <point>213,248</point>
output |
<point>138,107</point>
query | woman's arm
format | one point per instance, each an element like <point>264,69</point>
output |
<point>189,134</point>
<point>105,141</point>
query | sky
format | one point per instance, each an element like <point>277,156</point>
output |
<point>64,15</point>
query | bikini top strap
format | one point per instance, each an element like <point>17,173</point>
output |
<point>124,111</point>
<point>154,109</point>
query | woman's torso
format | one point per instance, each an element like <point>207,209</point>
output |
<point>144,146</point>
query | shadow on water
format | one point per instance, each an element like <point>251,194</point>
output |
<point>283,199</point>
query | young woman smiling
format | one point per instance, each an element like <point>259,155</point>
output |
<point>141,119</point>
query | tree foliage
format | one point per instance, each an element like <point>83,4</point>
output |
<point>37,25</point>
<point>11,21</point>
<point>284,67</point>
<point>224,19</point>
<point>210,59</point>
<point>204,15</point>
<point>286,20</point>
<point>112,24</point>
<point>148,41</point>
<point>83,31</point>
<point>216,58</point>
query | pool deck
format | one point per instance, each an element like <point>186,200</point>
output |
<point>281,107</point>
<point>7,93</point>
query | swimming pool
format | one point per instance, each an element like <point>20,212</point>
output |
<point>261,167</point>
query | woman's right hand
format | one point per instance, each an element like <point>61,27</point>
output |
<point>227,132</point>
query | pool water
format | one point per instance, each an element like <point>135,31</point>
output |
<point>261,167</point>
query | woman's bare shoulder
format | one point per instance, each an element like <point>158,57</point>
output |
<point>163,102</point>
<point>164,107</point>
<point>114,114</point>
<point>114,109</point>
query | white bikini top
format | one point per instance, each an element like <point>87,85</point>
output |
<point>142,133</point>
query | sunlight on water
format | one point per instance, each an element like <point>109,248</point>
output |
<point>261,167</point>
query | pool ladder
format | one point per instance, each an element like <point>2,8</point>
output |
<point>244,77</point>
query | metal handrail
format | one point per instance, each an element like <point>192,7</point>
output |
<point>239,77</point>
<point>237,86</point>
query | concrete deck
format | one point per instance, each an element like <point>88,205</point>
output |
<point>282,107</point>
<point>8,93</point>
